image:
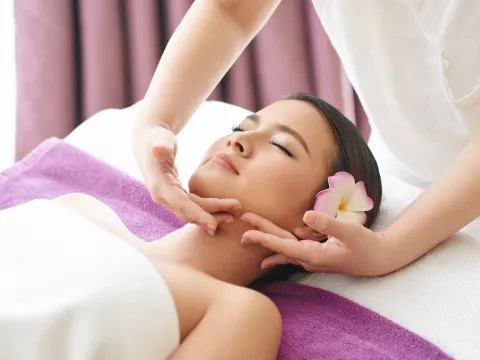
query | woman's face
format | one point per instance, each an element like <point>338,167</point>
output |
<point>274,162</point>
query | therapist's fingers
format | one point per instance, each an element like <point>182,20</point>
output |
<point>214,205</point>
<point>181,205</point>
<point>166,189</point>
<point>161,176</point>
<point>164,145</point>
<point>277,259</point>
<point>165,153</point>
<point>290,248</point>
<point>332,227</point>
<point>157,166</point>
<point>177,200</point>
<point>175,171</point>
<point>306,232</point>
<point>223,218</point>
<point>169,193</point>
<point>265,226</point>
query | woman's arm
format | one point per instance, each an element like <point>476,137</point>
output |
<point>205,45</point>
<point>445,207</point>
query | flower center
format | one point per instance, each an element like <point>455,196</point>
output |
<point>343,207</point>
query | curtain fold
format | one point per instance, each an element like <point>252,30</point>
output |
<point>77,57</point>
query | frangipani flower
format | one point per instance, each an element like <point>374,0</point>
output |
<point>345,199</point>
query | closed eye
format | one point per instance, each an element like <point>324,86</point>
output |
<point>274,142</point>
<point>237,128</point>
<point>282,147</point>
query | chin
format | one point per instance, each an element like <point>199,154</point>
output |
<point>207,184</point>
<point>210,183</point>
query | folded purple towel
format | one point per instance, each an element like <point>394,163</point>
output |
<point>317,323</point>
<point>55,168</point>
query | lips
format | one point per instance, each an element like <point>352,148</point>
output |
<point>225,161</point>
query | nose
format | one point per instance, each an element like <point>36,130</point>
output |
<point>239,144</point>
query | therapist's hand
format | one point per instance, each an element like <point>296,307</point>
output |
<point>350,249</point>
<point>155,149</point>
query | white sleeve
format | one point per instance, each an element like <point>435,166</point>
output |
<point>69,290</point>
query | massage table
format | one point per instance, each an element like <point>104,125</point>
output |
<point>437,297</point>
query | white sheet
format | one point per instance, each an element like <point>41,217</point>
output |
<point>107,135</point>
<point>437,297</point>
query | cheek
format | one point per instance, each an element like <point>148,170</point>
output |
<point>199,181</point>
<point>291,186</point>
<point>283,192</point>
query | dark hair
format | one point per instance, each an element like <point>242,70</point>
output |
<point>353,155</point>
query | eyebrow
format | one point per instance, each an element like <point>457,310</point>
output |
<point>284,128</point>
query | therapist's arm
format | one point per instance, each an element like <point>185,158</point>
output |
<point>205,45</point>
<point>209,39</point>
<point>445,207</point>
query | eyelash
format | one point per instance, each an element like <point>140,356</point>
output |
<point>282,147</point>
<point>274,142</point>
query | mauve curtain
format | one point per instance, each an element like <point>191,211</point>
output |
<point>77,57</point>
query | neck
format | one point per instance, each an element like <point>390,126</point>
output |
<point>221,256</point>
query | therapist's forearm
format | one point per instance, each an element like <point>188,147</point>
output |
<point>205,45</point>
<point>445,207</point>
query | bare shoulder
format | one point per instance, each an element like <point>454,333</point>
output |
<point>196,294</point>
<point>221,320</point>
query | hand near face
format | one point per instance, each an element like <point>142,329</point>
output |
<point>350,248</point>
<point>155,149</point>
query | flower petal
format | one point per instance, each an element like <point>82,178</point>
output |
<point>341,180</point>
<point>328,202</point>
<point>352,216</point>
<point>359,200</point>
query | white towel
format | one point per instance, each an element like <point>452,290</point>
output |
<point>70,290</point>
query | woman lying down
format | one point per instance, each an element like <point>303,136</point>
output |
<point>83,287</point>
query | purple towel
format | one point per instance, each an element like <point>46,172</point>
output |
<point>317,323</point>
<point>55,168</point>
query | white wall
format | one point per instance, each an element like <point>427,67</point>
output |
<point>7,84</point>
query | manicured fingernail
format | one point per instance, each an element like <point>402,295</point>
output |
<point>211,230</point>
<point>244,240</point>
<point>309,218</point>
<point>229,220</point>
<point>265,266</point>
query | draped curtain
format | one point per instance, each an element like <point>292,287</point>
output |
<point>77,57</point>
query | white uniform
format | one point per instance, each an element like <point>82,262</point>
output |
<point>415,65</point>
<point>81,294</point>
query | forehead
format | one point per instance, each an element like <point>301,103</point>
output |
<point>306,120</point>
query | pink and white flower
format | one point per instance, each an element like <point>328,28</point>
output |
<point>345,199</point>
